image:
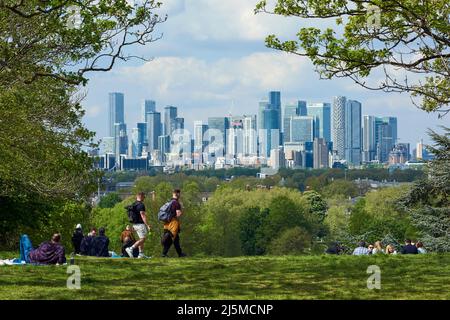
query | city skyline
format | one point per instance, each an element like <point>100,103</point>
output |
<point>303,134</point>
<point>208,69</point>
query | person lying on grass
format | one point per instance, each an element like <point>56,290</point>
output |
<point>49,252</point>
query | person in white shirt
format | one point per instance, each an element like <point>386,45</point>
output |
<point>420,247</point>
<point>377,248</point>
<point>390,249</point>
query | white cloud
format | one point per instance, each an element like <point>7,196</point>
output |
<point>223,20</point>
<point>177,79</point>
<point>93,111</point>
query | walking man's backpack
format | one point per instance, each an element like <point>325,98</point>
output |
<point>131,212</point>
<point>165,213</point>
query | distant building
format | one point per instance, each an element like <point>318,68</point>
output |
<point>116,111</point>
<point>147,107</point>
<point>399,154</point>
<point>107,145</point>
<point>217,137</point>
<point>277,158</point>
<point>320,156</point>
<point>170,114</point>
<point>250,136</point>
<point>352,140</point>
<point>302,129</point>
<point>339,106</point>
<point>321,112</point>
<point>153,120</point>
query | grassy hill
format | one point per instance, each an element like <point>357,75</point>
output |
<point>299,277</point>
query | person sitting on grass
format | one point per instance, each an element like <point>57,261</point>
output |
<point>377,248</point>
<point>49,252</point>
<point>100,244</point>
<point>127,239</point>
<point>420,248</point>
<point>334,248</point>
<point>390,249</point>
<point>361,250</point>
<point>86,243</point>
<point>409,248</point>
<point>77,237</point>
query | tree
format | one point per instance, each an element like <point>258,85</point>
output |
<point>291,242</point>
<point>109,201</point>
<point>250,235</point>
<point>408,41</point>
<point>340,188</point>
<point>45,57</point>
<point>428,201</point>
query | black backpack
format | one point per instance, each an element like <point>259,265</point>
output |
<point>131,212</point>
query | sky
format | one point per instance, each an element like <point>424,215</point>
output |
<point>212,61</point>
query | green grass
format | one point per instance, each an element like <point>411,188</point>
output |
<point>301,277</point>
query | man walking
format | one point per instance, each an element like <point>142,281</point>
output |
<point>140,225</point>
<point>172,227</point>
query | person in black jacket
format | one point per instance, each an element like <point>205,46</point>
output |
<point>100,244</point>
<point>77,237</point>
<point>408,248</point>
<point>86,247</point>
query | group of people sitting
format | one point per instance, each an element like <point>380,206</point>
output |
<point>377,248</point>
<point>98,245</point>
<point>91,244</point>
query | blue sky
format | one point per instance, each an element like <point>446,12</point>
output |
<point>212,61</point>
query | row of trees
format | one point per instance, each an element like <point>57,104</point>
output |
<point>47,50</point>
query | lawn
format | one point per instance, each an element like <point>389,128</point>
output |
<point>291,277</point>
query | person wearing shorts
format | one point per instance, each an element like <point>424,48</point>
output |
<point>140,226</point>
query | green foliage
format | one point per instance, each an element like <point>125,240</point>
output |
<point>368,36</point>
<point>109,201</point>
<point>428,201</point>
<point>292,241</point>
<point>250,235</point>
<point>342,188</point>
<point>44,59</point>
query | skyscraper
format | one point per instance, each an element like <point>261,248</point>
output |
<point>200,140</point>
<point>217,138</point>
<point>321,112</point>
<point>385,137</point>
<point>262,105</point>
<point>302,129</point>
<point>339,126</point>
<point>269,136</point>
<point>302,108</point>
<point>147,106</point>
<point>115,111</point>
<point>250,135</point>
<point>135,143</point>
<point>153,130</point>
<point>164,147</point>
<point>235,136</point>
<point>178,123</point>
<point>353,132</point>
<point>170,114</point>
<point>369,148</point>
<point>142,140</point>
<point>275,103</point>
<point>290,110</point>
<point>121,141</point>
<point>320,150</point>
